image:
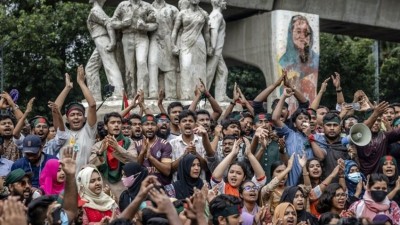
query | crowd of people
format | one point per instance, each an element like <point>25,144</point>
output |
<point>249,164</point>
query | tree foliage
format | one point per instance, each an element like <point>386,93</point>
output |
<point>250,80</point>
<point>44,41</point>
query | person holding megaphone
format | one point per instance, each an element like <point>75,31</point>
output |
<point>370,154</point>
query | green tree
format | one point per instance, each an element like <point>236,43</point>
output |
<point>44,42</point>
<point>250,80</point>
<point>351,58</point>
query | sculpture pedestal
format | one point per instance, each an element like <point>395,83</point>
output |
<point>115,105</point>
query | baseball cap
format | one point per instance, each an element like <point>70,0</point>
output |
<point>15,176</point>
<point>32,144</point>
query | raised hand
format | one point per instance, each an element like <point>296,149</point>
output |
<point>161,96</point>
<point>147,184</point>
<point>288,92</point>
<point>13,213</point>
<point>336,80</point>
<point>29,106</point>
<point>218,130</point>
<point>248,146</point>
<point>191,148</point>
<point>235,93</point>
<point>68,83</point>
<point>68,163</point>
<point>324,85</point>
<point>200,130</point>
<point>80,75</point>
<point>380,108</point>
<point>164,205</point>
<point>302,159</point>
<point>290,161</point>
<point>236,146</point>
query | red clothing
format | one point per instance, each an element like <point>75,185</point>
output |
<point>95,215</point>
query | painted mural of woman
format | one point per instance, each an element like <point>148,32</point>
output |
<point>300,60</point>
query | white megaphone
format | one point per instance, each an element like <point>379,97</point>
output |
<point>360,135</point>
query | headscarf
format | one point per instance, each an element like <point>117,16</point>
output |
<point>48,178</point>
<point>288,196</point>
<point>279,212</point>
<point>130,169</point>
<point>392,179</point>
<point>351,186</point>
<point>101,202</point>
<point>185,183</point>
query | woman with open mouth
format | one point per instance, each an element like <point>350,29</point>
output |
<point>333,199</point>
<point>99,207</point>
<point>388,166</point>
<point>313,173</point>
<point>376,201</point>
<point>285,214</point>
<point>237,172</point>
<point>295,195</point>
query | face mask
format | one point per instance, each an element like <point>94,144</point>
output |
<point>378,196</point>
<point>354,177</point>
<point>128,181</point>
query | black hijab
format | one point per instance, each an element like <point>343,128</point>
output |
<point>185,184</point>
<point>128,195</point>
<point>288,195</point>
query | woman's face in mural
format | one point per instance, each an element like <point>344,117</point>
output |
<point>301,34</point>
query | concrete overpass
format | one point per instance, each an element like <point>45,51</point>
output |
<point>248,24</point>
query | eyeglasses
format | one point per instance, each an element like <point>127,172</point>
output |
<point>126,128</point>
<point>251,188</point>
<point>338,195</point>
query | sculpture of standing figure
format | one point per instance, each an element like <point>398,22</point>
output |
<point>104,38</point>
<point>135,18</point>
<point>195,41</point>
<point>160,52</point>
<point>216,66</point>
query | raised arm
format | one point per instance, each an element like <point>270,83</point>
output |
<point>219,170</point>
<point>21,121</point>
<point>244,102</point>
<point>297,94</point>
<point>257,168</point>
<point>148,183</point>
<point>314,105</point>
<point>131,106</point>
<point>16,111</point>
<point>57,117</point>
<point>161,96</point>
<point>378,111</point>
<point>229,109</point>
<point>267,91</point>
<point>142,105</point>
<point>200,130</point>
<point>276,115</point>
<point>68,165</point>
<point>68,87</point>
<point>91,114</point>
<point>196,99</point>
<point>339,92</point>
